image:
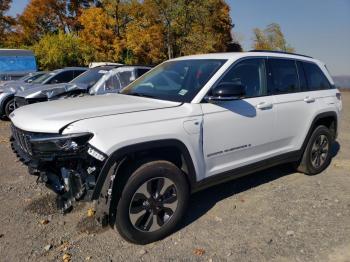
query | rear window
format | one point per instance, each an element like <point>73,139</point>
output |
<point>284,76</point>
<point>316,80</point>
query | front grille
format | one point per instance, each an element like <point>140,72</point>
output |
<point>22,139</point>
<point>20,101</point>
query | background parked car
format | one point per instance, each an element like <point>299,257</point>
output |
<point>15,63</point>
<point>76,87</point>
<point>63,75</point>
<point>117,79</point>
<point>25,79</point>
<point>95,81</point>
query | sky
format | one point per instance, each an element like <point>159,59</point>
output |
<point>319,28</point>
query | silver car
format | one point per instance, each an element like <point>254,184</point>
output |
<point>96,81</point>
<point>8,92</point>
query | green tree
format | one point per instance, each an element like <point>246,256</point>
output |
<point>271,38</point>
<point>58,50</point>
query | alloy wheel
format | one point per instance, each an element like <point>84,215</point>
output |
<point>153,204</point>
<point>319,151</point>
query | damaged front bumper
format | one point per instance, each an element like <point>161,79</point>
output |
<point>67,164</point>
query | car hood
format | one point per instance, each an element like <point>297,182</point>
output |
<point>18,87</point>
<point>51,117</point>
<point>49,91</point>
<point>11,82</point>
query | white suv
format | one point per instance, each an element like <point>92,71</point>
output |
<point>189,123</point>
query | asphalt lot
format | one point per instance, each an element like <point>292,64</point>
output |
<point>274,215</point>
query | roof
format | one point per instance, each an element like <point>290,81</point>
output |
<point>103,67</point>
<point>129,68</point>
<point>70,68</point>
<point>238,55</point>
<point>16,52</point>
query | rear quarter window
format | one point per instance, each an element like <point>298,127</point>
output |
<point>316,80</point>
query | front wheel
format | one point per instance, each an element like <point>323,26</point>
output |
<point>153,202</point>
<point>9,107</point>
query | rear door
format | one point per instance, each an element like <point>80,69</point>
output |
<point>295,105</point>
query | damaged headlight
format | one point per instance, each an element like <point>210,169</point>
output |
<point>60,143</point>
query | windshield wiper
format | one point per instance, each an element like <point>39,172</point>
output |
<point>140,94</point>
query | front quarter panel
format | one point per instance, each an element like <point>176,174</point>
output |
<point>112,133</point>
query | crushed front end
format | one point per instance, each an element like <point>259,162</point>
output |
<point>67,164</point>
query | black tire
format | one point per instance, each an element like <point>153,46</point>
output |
<point>145,177</point>
<point>9,107</point>
<point>308,164</point>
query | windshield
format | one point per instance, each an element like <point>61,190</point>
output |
<point>90,77</point>
<point>26,77</point>
<point>177,81</point>
<point>42,78</point>
<point>31,77</point>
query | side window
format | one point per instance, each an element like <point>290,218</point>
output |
<point>78,72</point>
<point>315,78</point>
<point>125,78</point>
<point>63,77</point>
<point>141,71</point>
<point>284,76</point>
<point>302,77</point>
<point>112,84</point>
<point>251,73</point>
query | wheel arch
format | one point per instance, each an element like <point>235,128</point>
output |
<point>329,119</point>
<point>4,102</point>
<point>150,146</point>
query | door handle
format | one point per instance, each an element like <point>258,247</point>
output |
<point>264,106</point>
<point>309,99</point>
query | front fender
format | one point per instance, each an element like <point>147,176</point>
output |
<point>107,171</point>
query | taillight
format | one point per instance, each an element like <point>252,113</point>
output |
<point>338,95</point>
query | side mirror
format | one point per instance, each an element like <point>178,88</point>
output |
<point>227,91</point>
<point>30,80</point>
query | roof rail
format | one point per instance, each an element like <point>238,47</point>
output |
<point>279,52</point>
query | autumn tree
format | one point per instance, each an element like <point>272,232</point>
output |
<point>74,10</point>
<point>128,31</point>
<point>271,38</point>
<point>56,50</point>
<point>5,21</point>
<point>39,18</point>
<point>97,36</point>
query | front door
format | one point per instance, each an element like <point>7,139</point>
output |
<point>239,132</point>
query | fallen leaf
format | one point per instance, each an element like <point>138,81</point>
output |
<point>199,252</point>
<point>88,258</point>
<point>65,245</point>
<point>66,257</point>
<point>91,212</point>
<point>44,222</point>
<point>48,247</point>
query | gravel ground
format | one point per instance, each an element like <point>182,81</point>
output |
<point>275,215</point>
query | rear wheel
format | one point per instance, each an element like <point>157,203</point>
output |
<point>317,154</point>
<point>9,107</point>
<point>153,202</point>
